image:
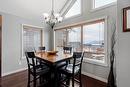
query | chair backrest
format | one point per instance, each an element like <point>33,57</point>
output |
<point>67,49</point>
<point>42,48</point>
<point>78,58</point>
<point>31,60</point>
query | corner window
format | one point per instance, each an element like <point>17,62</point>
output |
<point>102,3</point>
<point>74,10</point>
<point>91,37</point>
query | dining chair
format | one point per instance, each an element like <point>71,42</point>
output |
<point>72,70</point>
<point>34,69</point>
<point>42,48</point>
<point>67,49</point>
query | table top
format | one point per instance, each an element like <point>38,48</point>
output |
<point>59,57</point>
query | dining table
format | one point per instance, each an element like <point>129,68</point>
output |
<point>52,60</point>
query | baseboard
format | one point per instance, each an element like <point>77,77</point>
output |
<point>95,77</point>
<point>12,72</point>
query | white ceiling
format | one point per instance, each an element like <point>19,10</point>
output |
<point>31,9</point>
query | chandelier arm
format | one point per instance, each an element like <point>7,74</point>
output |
<point>53,18</point>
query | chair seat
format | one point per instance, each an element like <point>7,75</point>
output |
<point>40,70</point>
<point>69,69</point>
<point>61,64</point>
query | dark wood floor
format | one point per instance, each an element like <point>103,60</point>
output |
<point>20,80</point>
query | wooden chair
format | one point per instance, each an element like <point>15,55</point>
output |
<point>34,69</point>
<point>42,48</point>
<point>67,49</point>
<point>72,70</point>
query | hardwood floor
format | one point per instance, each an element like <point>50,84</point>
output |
<point>20,80</point>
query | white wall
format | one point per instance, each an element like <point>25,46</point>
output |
<point>88,14</point>
<point>123,56</point>
<point>11,42</point>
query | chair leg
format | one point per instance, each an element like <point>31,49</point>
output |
<point>73,81</point>
<point>68,81</point>
<point>34,81</point>
<point>40,79</point>
<point>28,80</point>
<point>80,79</point>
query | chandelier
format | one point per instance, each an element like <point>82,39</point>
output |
<point>53,18</point>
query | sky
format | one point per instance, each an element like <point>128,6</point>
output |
<point>93,32</point>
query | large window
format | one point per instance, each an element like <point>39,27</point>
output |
<point>60,39</point>
<point>101,3</point>
<point>31,38</point>
<point>93,41</point>
<point>74,38</point>
<point>89,37</point>
<point>74,10</point>
<point>68,37</point>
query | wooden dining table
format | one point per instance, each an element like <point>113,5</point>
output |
<point>52,61</point>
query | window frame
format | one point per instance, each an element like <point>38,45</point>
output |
<point>69,7</point>
<point>22,31</point>
<point>101,7</point>
<point>105,47</point>
<point>105,38</point>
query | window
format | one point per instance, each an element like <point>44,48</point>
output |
<point>74,10</point>
<point>31,39</point>
<point>89,36</point>
<point>74,38</point>
<point>101,3</point>
<point>68,37</point>
<point>60,39</point>
<point>93,41</point>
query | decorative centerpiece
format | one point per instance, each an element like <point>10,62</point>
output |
<point>52,52</point>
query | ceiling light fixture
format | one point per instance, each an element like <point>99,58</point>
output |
<point>53,18</point>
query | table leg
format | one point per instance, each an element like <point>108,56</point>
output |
<point>54,77</point>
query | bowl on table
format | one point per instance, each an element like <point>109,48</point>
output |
<point>52,52</point>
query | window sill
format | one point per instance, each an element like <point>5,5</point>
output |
<point>95,62</point>
<point>103,7</point>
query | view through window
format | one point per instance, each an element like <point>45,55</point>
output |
<point>93,41</point>
<point>74,38</point>
<point>88,37</point>
<point>68,37</point>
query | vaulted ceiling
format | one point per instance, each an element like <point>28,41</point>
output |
<point>31,9</point>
